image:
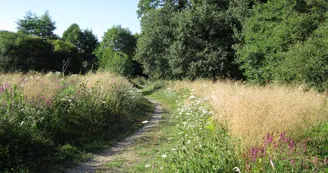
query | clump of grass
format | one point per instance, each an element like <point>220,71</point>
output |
<point>253,111</point>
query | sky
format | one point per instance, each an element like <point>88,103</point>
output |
<point>98,15</point>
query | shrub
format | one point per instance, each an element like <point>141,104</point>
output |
<point>65,54</point>
<point>19,52</point>
<point>115,62</point>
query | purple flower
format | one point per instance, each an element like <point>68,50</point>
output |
<point>254,153</point>
<point>282,136</point>
<point>293,162</point>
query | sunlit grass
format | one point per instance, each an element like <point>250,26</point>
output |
<point>252,111</point>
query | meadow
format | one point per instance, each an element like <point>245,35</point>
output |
<point>273,128</point>
<point>48,120</point>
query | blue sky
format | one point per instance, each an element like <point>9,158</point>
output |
<point>98,15</point>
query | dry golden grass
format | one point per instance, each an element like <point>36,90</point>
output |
<point>253,111</point>
<point>36,85</point>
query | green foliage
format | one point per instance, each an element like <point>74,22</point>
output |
<point>66,57</point>
<point>19,52</point>
<point>85,41</point>
<point>59,129</point>
<point>41,26</point>
<point>271,31</point>
<point>122,40</point>
<point>306,62</point>
<point>202,145</point>
<point>116,62</point>
<point>73,34</point>
<point>188,40</point>
<point>154,41</point>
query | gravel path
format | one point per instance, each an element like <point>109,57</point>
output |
<point>98,160</point>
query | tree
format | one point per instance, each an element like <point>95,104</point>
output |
<point>122,40</point>
<point>73,34</point>
<point>41,26</point>
<point>156,37</point>
<point>273,28</point>
<point>85,41</point>
<point>189,39</point>
<point>65,54</point>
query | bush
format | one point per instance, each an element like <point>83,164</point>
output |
<point>65,57</point>
<point>19,52</point>
<point>115,62</point>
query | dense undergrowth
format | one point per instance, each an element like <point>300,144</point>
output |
<point>40,130</point>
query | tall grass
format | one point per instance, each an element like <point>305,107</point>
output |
<point>253,111</point>
<point>46,119</point>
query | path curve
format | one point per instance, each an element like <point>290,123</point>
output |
<point>96,162</point>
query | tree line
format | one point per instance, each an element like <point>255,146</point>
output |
<point>35,47</point>
<point>261,41</point>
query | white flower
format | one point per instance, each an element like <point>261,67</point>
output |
<point>144,122</point>
<point>147,166</point>
<point>173,149</point>
<point>192,97</point>
<point>164,156</point>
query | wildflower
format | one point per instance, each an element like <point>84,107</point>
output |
<point>164,156</point>
<point>292,162</point>
<point>147,166</point>
<point>236,169</point>
<point>192,97</point>
<point>282,136</point>
<point>144,122</point>
<point>173,149</point>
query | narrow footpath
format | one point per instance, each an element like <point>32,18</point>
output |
<point>97,161</point>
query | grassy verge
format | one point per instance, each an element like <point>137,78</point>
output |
<point>47,122</point>
<point>191,139</point>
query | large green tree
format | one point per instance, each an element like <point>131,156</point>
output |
<point>85,41</point>
<point>156,37</point>
<point>190,39</point>
<point>73,34</point>
<point>42,26</point>
<point>122,40</point>
<point>272,30</point>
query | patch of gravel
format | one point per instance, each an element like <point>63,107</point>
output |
<point>95,163</point>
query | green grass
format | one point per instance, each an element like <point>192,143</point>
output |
<point>118,162</point>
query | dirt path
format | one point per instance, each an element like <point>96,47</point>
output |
<point>95,164</point>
